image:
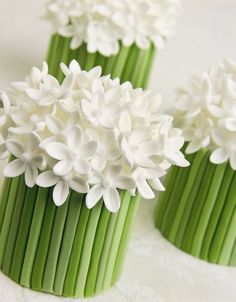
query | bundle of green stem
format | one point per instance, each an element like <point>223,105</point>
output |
<point>197,213</point>
<point>130,64</point>
<point>69,250</point>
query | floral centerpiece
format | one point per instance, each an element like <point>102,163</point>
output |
<point>198,211</point>
<point>81,154</point>
<point>120,36</point>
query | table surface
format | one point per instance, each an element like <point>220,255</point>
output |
<point>154,269</point>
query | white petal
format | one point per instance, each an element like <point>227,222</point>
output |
<point>193,146</point>
<point>34,94</point>
<point>93,196</point>
<point>14,168</point>
<point>81,166</point>
<point>98,163</point>
<point>40,162</point>
<point>35,75</point>
<point>125,183</point>
<point>33,142</point>
<point>219,156</point>
<point>88,150</point>
<point>149,148</point>
<point>112,199</point>
<point>60,193</point>
<point>54,124</point>
<point>68,82</point>
<point>144,161</point>
<point>229,124</point>
<point>144,189</point>
<point>74,66</point>
<point>125,124</point>
<point>57,150</point>
<point>5,100</point>
<point>15,148</point>
<point>74,138</point>
<point>31,174</point>
<point>79,185</point>
<point>66,31</point>
<point>47,179</point>
<point>63,167</point>
<point>156,184</point>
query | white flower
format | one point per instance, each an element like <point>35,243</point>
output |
<point>62,185</point>
<point>206,112</point>
<point>103,24</point>
<point>72,155</point>
<point>50,91</point>
<point>89,134</point>
<point>105,185</point>
<point>28,159</point>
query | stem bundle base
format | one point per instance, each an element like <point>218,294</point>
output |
<point>68,251</point>
<point>197,213</point>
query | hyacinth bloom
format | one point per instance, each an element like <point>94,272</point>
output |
<point>120,36</point>
<point>197,213</point>
<point>82,153</point>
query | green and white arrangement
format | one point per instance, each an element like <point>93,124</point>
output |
<point>81,154</point>
<point>120,36</point>
<point>198,210</point>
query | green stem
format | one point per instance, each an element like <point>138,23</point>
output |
<point>54,246</point>
<point>34,235</point>
<point>122,214</point>
<point>85,257</point>
<point>207,210</point>
<point>129,222</point>
<point>143,82</point>
<point>164,197</point>
<point>105,250</point>
<point>228,244</point>
<point>139,69</point>
<point>8,217</point>
<point>99,241</point>
<point>176,192</point>
<point>191,199</point>
<point>12,237</point>
<point>65,57</point>
<point>232,260</point>
<point>90,61</point>
<point>5,190</point>
<point>120,63</point>
<point>189,185</point>
<point>197,208</point>
<point>130,64</point>
<point>71,274</point>
<point>24,229</point>
<point>74,210</point>
<point>215,216</point>
<point>52,52</point>
<point>42,249</point>
<point>222,227</point>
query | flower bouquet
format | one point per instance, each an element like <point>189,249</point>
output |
<point>120,36</point>
<point>198,211</point>
<point>81,154</point>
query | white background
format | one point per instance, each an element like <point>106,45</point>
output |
<point>154,270</point>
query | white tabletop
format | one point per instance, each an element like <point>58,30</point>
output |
<point>154,269</point>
